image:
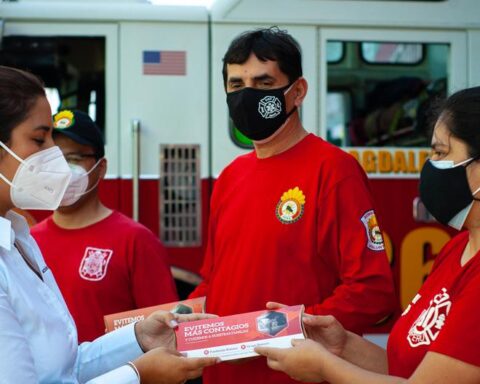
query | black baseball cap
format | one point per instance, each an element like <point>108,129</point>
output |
<point>79,127</point>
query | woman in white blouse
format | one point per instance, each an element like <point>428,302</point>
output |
<point>38,339</point>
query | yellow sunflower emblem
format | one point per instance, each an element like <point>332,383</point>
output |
<point>290,207</point>
<point>63,119</point>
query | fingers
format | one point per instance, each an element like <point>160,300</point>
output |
<point>193,317</point>
<point>319,321</point>
<point>271,353</point>
<point>275,305</point>
<point>165,317</point>
<point>297,342</point>
<point>198,363</point>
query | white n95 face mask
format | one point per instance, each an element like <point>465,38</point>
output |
<point>40,180</point>
<point>78,184</point>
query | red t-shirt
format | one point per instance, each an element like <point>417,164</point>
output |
<point>297,228</point>
<point>443,317</point>
<point>111,266</point>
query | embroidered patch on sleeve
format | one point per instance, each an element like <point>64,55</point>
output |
<point>374,235</point>
<point>94,263</point>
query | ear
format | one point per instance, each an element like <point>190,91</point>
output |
<point>102,168</point>
<point>299,91</point>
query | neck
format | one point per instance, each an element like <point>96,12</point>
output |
<point>473,245</point>
<point>82,214</point>
<point>5,201</point>
<point>285,138</point>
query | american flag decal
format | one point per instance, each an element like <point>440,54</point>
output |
<point>165,63</point>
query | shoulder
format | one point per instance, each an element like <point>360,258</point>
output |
<point>330,157</point>
<point>41,227</point>
<point>125,226</point>
<point>452,248</point>
<point>239,163</point>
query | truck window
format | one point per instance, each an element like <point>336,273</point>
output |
<point>373,104</point>
<point>72,68</point>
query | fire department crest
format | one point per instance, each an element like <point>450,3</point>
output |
<point>269,107</point>
<point>374,235</point>
<point>430,322</point>
<point>290,207</point>
<point>94,263</point>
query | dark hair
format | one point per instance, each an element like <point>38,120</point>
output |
<point>267,44</point>
<point>461,115</point>
<point>19,90</point>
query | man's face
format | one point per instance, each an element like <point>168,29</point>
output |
<point>83,156</point>
<point>255,73</point>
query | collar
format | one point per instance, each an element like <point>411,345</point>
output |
<point>11,226</point>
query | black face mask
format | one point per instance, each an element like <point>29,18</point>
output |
<point>445,192</point>
<point>258,113</point>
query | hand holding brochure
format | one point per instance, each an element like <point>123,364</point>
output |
<point>118,320</point>
<point>235,337</point>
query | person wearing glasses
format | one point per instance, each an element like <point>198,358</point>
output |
<point>103,261</point>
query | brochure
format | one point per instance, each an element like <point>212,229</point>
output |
<point>235,337</point>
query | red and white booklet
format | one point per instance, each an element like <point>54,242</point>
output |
<point>235,337</point>
<point>118,320</point>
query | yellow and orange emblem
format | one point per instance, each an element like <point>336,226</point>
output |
<point>290,207</point>
<point>63,119</point>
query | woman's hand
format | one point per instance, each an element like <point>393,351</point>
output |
<point>302,362</point>
<point>327,331</point>
<point>164,366</point>
<point>323,329</point>
<point>157,329</point>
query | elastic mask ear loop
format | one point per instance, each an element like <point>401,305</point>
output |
<point>16,157</point>
<point>95,166</point>
<point>11,152</point>
<point>478,189</point>
<point>294,107</point>
<point>95,185</point>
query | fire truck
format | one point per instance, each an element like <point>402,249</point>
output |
<point>150,75</point>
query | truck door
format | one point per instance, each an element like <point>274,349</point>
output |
<point>376,88</point>
<point>78,64</point>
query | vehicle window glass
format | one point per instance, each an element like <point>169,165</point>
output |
<point>392,53</point>
<point>384,105</point>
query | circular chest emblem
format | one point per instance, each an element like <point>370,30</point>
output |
<point>269,107</point>
<point>290,207</point>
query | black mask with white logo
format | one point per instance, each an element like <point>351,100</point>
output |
<point>258,113</point>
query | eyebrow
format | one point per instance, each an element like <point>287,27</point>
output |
<point>256,78</point>
<point>438,144</point>
<point>45,128</point>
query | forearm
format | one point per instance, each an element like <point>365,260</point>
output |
<point>339,371</point>
<point>365,354</point>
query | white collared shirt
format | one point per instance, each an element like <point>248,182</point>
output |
<point>38,338</point>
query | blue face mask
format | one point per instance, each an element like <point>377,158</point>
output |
<point>445,191</point>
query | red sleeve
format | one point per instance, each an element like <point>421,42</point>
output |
<point>151,279</point>
<point>208,257</point>
<point>207,266</point>
<point>350,242</point>
<point>460,335</point>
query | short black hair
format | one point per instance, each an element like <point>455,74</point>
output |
<point>461,115</point>
<point>267,44</point>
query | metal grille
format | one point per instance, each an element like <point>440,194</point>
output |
<point>180,195</point>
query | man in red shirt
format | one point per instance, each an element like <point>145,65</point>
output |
<point>292,221</point>
<point>103,261</point>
